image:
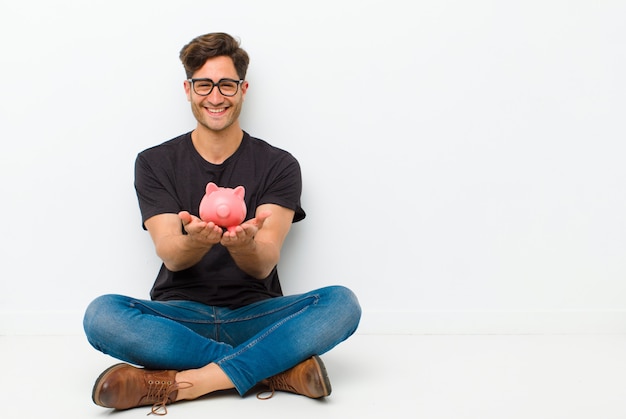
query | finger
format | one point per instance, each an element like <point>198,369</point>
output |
<point>215,230</point>
<point>185,217</point>
<point>263,215</point>
<point>233,232</point>
<point>259,220</point>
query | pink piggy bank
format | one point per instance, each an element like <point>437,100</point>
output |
<point>223,206</point>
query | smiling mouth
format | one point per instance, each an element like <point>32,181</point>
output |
<point>220,110</point>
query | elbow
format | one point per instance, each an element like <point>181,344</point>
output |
<point>269,268</point>
<point>172,267</point>
<point>262,274</point>
<point>173,264</point>
<point>262,271</point>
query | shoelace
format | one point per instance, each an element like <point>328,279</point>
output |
<point>260,397</point>
<point>278,382</point>
<point>160,392</point>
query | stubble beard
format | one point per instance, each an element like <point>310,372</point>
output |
<point>210,124</point>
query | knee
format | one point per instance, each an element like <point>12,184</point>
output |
<point>96,308</point>
<point>344,301</point>
<point>98,318</point>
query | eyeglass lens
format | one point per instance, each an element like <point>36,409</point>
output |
<point>226,87</point>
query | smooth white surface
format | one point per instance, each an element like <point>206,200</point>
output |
<point>457,156</point>
<point>373,376</point>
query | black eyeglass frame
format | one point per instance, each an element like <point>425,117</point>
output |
<point>193,87</point>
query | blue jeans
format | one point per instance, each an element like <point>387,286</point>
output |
<point>249,344</point>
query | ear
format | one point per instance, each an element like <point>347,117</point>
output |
<point>244,89</point>
<point>240,191</point>
<point>187,86</point>
<point>211,187</point>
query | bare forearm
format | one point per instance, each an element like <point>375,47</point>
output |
<point>181,252</point>
<point>257,259</point>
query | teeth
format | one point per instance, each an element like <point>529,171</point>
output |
<point>216,110</point>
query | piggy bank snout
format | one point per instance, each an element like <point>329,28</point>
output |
<point>223,211</point>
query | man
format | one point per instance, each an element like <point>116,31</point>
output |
<point>217,318</point>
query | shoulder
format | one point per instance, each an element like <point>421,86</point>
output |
<point>270,153</point>
<point>167,148</point>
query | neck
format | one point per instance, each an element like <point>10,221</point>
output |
<point>216,146</point>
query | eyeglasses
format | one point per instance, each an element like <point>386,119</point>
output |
<point>204,87</point>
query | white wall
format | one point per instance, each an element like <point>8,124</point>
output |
<point>463,161</point>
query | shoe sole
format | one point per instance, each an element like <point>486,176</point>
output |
<point>322,372</point>
<point>97,387</point>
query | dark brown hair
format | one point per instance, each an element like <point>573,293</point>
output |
<point>200,49</point>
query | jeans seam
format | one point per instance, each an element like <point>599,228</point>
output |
<point>134,303</point>
<point>315,298</point>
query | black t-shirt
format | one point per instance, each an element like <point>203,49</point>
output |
<point>172,177</point>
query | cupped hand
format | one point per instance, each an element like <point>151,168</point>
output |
<point>200,231</point>
<point>242,236</point>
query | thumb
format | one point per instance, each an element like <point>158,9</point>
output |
<point>261,217</point>
<point>185,217</point>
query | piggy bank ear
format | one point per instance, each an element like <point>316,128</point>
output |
<point>211,187</point>
<point>240,191</point>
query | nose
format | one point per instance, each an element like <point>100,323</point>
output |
<point>215,97</point>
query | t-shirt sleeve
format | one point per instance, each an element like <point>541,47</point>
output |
<point>285,187</point>
<point>155,192</point>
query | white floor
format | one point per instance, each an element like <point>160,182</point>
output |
<point>431,377</point>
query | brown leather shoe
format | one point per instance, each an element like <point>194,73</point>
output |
<point>308,378</point>
<point>123,386</point>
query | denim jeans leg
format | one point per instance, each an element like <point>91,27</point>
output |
<point>153,334</point>
<point>290,330</point>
